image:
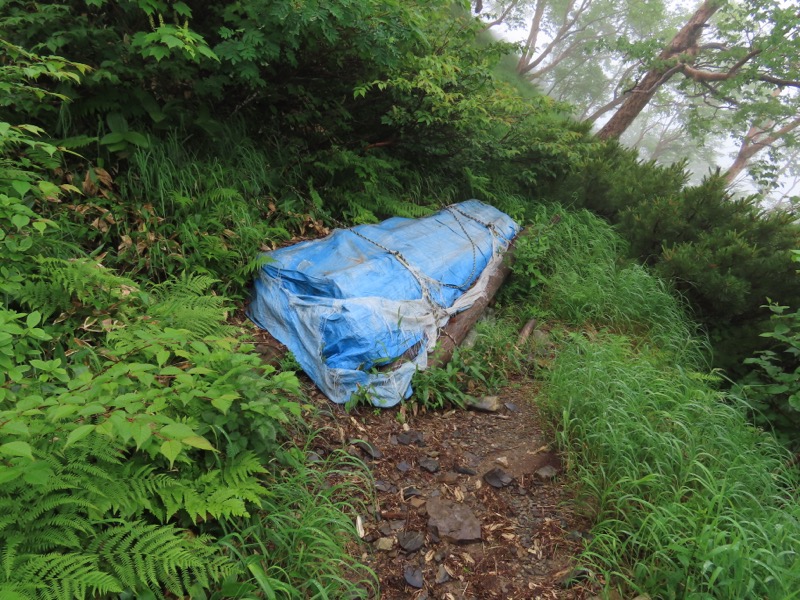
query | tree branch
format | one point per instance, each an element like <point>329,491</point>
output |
<point>503,16</point>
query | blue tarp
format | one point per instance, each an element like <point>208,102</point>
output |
<point>358,299</point>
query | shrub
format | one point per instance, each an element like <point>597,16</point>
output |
<point>725,255</point>
<point>773,387</point>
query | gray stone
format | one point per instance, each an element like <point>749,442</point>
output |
<point>410,437</point>
<point>497,478</point>
<point>546,473</point>
<point>574,536</point>
<point>403,466</point>
<point>384,486</point>
<point>442,576</point>
<point>385,528</point>
<point>371,536</point>
<point>410,492</point>
<point>429,464</point>
<point>367,448</point>
<point>411,541</point>
<point>413,576</point>
<point>449,478</point>
<point>452,521</point>
<point>541,338</point>
<point>574,577</point>
<point>385,544</point>
<point>486,404</point>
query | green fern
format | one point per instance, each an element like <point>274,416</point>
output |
<point>45,528</point>
<point>222,493</point>
<point>186,303</point>
<point>142,556</point>
<point>64,285</point>
<point>65,576</point>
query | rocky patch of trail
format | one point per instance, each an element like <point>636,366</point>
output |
<point>470,504</point>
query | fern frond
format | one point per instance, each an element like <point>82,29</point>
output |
<point>61,282</point>
<point>147,556</point>
<point>224,195</point>
<point>66,576</point>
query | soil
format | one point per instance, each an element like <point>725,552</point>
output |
<point>530,533</point>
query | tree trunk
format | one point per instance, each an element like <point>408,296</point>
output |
<point>746,151</point>
<point>756,140</point>
<point>684,43</point>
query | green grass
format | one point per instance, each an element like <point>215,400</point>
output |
<point>183,211</point>
<point>299,544</point>
<point>689,500</point>
<point>569,266</point>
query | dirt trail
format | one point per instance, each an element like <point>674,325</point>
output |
<point>441,530</point>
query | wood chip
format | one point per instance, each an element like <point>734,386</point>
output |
<point>360,527</point>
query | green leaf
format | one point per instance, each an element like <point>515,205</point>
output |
<point>117,123</point>
<point>223,402</point>
<point>137,139</point>
<point>17,449</point>
<point>112,138</point>
<point>20,221</point>
<point>171,449</point>
<point>9,473</point>
<point>58,413</point>
<point>33,319</point>
<point>177,431</point>
<point>162,356</point>
<point>141,432</point>
<point>37,473</point>
<point>172,42</point>
<point>50,190</point>
<point>197,441</point>
<point>78,434</point>
<point>15,428</point>
<point>21,187</point>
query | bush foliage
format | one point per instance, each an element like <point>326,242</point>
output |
<point>725,255</point>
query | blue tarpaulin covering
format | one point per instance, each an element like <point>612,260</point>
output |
<point>358,299</point>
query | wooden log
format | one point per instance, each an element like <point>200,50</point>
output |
<point>457,328</point>
<point>526,332</point>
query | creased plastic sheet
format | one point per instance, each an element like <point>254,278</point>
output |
<point>353,302</point>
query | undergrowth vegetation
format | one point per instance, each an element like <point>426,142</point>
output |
<point>149,151</point>
<point>688,498</point>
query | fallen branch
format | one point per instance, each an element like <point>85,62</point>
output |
<point>525,333</point>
